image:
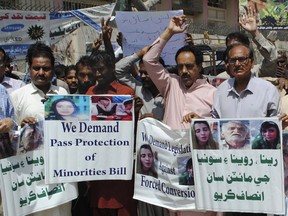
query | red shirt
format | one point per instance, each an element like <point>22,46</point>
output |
<point>112,193</point>
<point>113,88</point>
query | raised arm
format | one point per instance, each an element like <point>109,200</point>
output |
<point>265,47</point>
<point>175,26</point>
<point>125,65</point>
<point>107,33</point>
<point>159,75</point>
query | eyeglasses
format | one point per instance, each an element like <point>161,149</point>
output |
<point>188,66</point>
<point>241,60</point>
<point>37,68</point>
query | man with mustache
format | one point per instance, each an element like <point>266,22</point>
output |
<point>153,105</point>
<point>85,75</point>
<point>235,135</point>
<point>188,94</point>
<point>28,101</point>
<point>244,96</point>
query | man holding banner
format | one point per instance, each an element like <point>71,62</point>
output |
<point>110,197</point>
<point>29,101</point>
<point>244,95</point>
<point>183,93</point>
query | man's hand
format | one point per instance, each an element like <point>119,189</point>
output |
<point>189,39</point>
<point>28,120</point>
<point>98,42</point>
<point>6,125</point>
<point>284,119</point>
<point>248,22</point>
<point>282,83</point>
<point>282,72</point>
<point>176,25</point>
<point>106,29</point>
<point>188,118</point>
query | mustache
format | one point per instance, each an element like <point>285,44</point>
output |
<point>41,76</point>
<point>185,75</point>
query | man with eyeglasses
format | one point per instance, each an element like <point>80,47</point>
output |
<point>186,95</point>
<point>266,65</point>
<point>244,95</point>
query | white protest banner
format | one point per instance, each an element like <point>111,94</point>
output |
<point>162,174</point>
<point>20,29</point>
<point>140,29</point>
<point>238,165</point>
<point>23,189</point>
<point>65,22</point>
<point>94,138</point>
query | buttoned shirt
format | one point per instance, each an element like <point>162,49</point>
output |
<point>151,104</point>
<point>28,101</point>
<point>259,99</point>
<point>12,84</point>
<point>179,100</point>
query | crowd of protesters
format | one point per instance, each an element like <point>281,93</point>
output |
<point>175,98</point>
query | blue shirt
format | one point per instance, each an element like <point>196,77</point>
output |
<point>6,108</point>
<point>259,99</point>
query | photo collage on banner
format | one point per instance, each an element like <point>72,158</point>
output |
<point>163,166</point>
<point>230,165</point>
<point>90,129</point>
<point>23,187</point>
<point>238,165</point>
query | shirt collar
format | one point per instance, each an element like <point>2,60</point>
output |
<point>52,89</point>
<point>250,87</point>
<point>6,81</point>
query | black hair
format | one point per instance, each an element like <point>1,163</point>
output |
<point>129,101</point>
<point>189,164</point>
<point>69,68</point>
<point>267,124</point>
<point>85,61</point>
<point>59,70</point>
<point>196,52</point>
<point>103,98</point>
<point>103,57</point>
<point>39,49</point>
<point>55,115</point>
<point>239,36</point>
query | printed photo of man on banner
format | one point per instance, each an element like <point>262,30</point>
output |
<point>245,172</point>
